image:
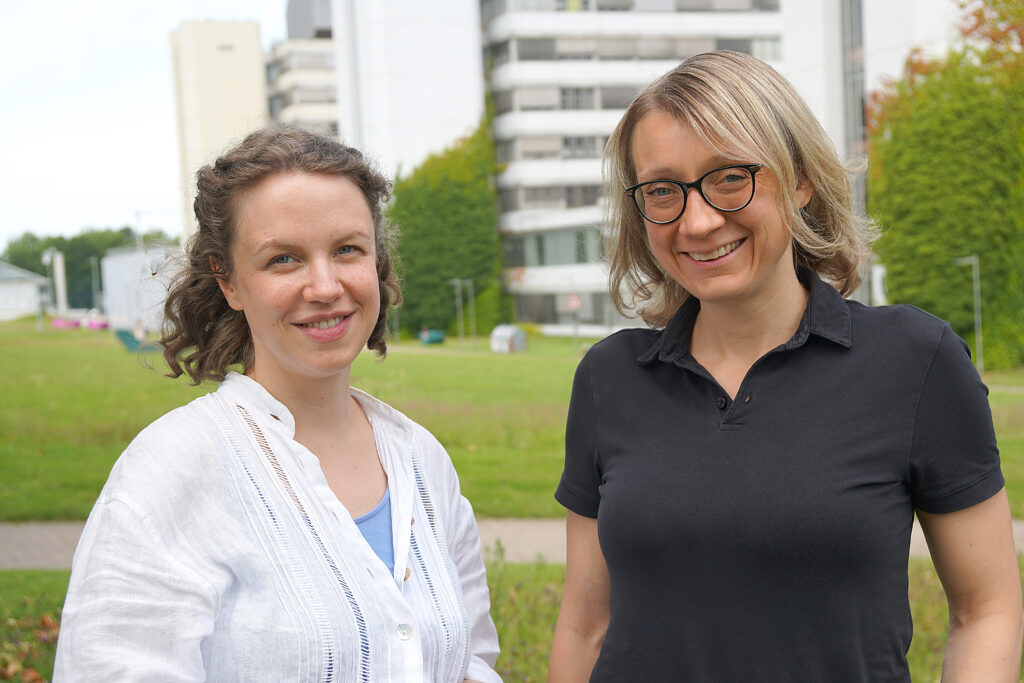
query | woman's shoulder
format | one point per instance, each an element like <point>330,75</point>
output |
<point>168,455</point>
<point>899,325</point>
<point>623,346</point>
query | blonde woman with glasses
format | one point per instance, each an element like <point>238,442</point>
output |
<point>741,479</point>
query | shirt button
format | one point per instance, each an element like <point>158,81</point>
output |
<point>404,631</point>
<point>721,402</point>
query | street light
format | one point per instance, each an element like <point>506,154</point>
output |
<point>458,284</point>
<point>972,261</point>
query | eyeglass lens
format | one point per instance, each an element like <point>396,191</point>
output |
<point>728,189</point>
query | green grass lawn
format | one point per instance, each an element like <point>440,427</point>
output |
<point>71,400</point>
<point>524,605</point>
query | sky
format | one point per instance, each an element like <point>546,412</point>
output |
<point>87,130</point>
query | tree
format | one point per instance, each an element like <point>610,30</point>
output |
<point>26,252</point>
<point>947,179</point>
<point>447,214</point>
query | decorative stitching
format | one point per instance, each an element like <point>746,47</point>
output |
<point>364,641</point>
<point>286,546</point>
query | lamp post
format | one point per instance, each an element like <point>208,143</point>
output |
<point>972,261</point>
<point>457,284</point>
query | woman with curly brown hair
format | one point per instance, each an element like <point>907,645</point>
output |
<point>741,480</point>
<point>286,526</point>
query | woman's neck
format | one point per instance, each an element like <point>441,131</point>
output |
<point>734,334</point>
<point>318,406</point>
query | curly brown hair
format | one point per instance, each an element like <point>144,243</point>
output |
<point>203,336</point>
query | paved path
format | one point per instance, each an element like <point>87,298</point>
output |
<point>51,545</point>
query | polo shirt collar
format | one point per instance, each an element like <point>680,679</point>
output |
<point>826,315</point>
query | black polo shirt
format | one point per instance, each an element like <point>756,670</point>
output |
<point>767,538</point>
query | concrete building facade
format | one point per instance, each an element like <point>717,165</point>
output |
<point>409,77</point>
<point>301,83</point>
<point>220,94</point>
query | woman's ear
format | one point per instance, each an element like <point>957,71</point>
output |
<point>804,192</point>
<point>226,288</point>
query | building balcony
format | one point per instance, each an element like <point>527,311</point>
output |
<point>570,279</point>
<point>579,73</point>
<point>538,220</point>
<point>646,24</point>
<point>545,172</point>
<point>556,122</point>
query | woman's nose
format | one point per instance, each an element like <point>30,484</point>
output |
<point>324,284</point>
<point>699,218</point>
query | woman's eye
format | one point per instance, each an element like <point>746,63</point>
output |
<point>660,190</point>
<point>347,249</point>
<point>281,260</point>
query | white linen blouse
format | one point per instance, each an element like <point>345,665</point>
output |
<point>217,551</point>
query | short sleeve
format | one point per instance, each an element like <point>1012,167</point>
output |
<point>581,477</point>
<point>954,460</point>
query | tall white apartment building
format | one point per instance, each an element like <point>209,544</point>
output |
<point>300,70</point>
<point>220,95</point>
<point>562,73</point>
<point>410,79</point>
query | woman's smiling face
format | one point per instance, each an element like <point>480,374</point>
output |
<point>714,255</point>
<point>304,274</point>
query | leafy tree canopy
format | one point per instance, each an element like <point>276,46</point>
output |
<point>947,179</point>
<point>26,252</point>
<point>447,214</point>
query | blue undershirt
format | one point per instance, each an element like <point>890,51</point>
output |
<point>375,526</point>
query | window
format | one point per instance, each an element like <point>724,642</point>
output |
<point>505,150</point>
<point>768,49</point>
<point>687,47</point>
<point>654,48</point>
<point>536,49</point>
<point>508,200</point>
<point>617,98</point>
<point>616,48</point>
<point>580,148</point>
<point>543,198</point>
<point>503,102</point>
<point>533,99</point>
<point>540,147</point>
<point>577,98</point>
<point>582,195</point>
<point>736,44</point>
<point>575,48</point>
<point>731,5</point>
<point>499,53</point>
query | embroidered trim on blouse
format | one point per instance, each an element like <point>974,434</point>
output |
<point>364,639</point>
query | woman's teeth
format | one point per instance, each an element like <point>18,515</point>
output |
<point>717,253</point>
<point>324,324</point>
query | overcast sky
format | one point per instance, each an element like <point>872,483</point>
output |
<point>87,131</point>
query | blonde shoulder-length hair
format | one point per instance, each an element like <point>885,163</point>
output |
<point>743,109</point>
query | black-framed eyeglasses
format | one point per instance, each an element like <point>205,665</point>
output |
<point>729,188</point>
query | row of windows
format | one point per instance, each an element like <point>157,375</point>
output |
<point>550,147</point>
<point>554,49</point>
<point>307,61</point>
<point>561,197</point>
<point>554,309</point>
<point>555,248</point>
<point>492,8</point>
<point>553,98</point>
<point>302,95</point>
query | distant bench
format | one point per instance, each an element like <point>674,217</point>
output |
<point>132,344</point>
